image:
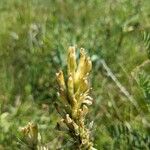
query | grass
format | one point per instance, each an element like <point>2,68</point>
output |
<point>34,36</point>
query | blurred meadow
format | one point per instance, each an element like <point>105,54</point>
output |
<point>34,38</point>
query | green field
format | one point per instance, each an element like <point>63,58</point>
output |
<point>34,38</point>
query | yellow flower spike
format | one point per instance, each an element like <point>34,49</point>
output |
<point>75,91</point>
<point>71,60</point>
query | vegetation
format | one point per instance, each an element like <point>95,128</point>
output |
<point>34,37</point>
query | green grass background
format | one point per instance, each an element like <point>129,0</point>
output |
<point>34,37</point>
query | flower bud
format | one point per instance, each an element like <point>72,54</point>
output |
<point>88,102</point>
<point>88,66</point>
<point>68,119</point>
<point>85,110</point>
<point>84,86</point>
<point>70,85</point>
<point>78,74</point>
<point>71,60</point>
<point>60,80</point>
